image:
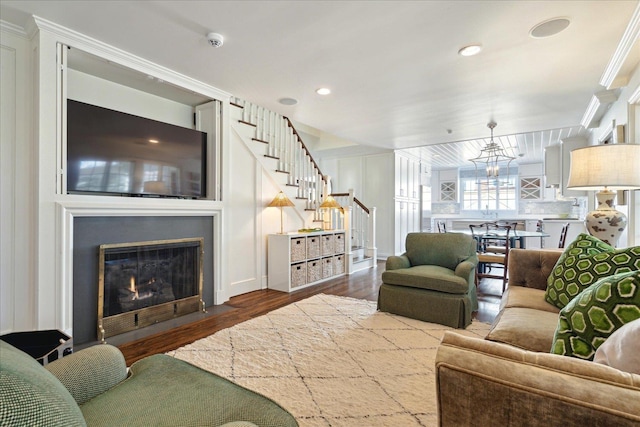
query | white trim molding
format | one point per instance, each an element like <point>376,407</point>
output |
<point>627,51</point>
<point>69,210</point>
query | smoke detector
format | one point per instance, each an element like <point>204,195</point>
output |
<point>215,39</point>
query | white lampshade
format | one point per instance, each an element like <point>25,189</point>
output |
<point>605,168</point>
<point>616,166</point>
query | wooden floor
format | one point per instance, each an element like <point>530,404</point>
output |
<point>363,285</point>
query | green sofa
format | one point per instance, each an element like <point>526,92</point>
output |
<point>433,280</point>
<point>93,387</point>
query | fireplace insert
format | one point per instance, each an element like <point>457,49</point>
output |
<point>143,283</point>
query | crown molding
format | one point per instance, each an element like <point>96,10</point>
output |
<point>119,56</point>
<point>598,105</point>
<point>628,45</point>
<point>13,29</point>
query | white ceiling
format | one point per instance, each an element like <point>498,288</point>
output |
<point>396,78</point>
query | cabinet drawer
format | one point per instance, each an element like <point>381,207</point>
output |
<point>313,247</point>
<point>339,243</point>
<point>298,274</point>
<point>298,249</point>
<point>328,245</point>
<point>327,267</point>
<point>314,270</point>
<point>338,264</point>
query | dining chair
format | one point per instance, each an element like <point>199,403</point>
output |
<point>442,227</point>
<point>495,254</point>
<point>563,235</point>
<point>498,247</point>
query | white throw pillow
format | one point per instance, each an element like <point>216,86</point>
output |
<point>622,349</point>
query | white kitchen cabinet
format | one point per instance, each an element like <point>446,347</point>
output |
<point>300,260</point>
<point>531,188</point>
<point>407,199</point>
<point>552,166</point>
<point>557,165</point>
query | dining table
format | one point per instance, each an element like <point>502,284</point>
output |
<point>517,237</point>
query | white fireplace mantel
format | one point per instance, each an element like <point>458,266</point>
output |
<point>72,206</point>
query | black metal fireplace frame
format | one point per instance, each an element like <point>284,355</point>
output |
<point>124,322</point>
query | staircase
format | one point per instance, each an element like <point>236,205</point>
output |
<point>277,146</point>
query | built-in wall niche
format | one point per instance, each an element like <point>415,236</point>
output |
<point>95,81</point>
<point>90,232</point>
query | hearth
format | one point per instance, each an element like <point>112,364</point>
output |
<point>143,283</point>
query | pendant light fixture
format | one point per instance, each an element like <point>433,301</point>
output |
<point>491,157</point>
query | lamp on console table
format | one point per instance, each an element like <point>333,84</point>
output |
<point>614,167</point>
<point>329,203</point>
<point>281,201</point>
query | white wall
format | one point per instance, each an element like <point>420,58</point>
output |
<point>104,93</point>
<point>17,203</point>
<point>372,179</point>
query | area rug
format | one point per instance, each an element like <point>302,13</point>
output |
<point>333,361</point>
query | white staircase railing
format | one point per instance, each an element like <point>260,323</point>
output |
<point>362,223</point>
<point>284,144</point>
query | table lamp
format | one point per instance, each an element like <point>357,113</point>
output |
<point>607,168</point>
<point>330,203</point>
<point>280,201</point>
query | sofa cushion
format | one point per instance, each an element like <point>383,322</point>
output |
<point>431,277</point>
<point>577,272</point>
<point>622,349</point>
<point>518,296</point>
<point>30,395</point>
<point>589,319</point>
<point>526,328</point>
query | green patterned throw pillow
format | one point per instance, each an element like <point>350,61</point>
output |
<point>571,275</point>
<point>590,318</point>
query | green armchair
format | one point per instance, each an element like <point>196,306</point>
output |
<point>93,388</point>
<point>433,280</point>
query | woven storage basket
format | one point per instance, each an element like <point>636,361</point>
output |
<point>327,267</point>
<point>314,270</point>
<point>298,249</point>
<point>313,247</point>
<point>338,240</point>
<point>327,244</point>
<point>338,264</point>
<point>298,274</point>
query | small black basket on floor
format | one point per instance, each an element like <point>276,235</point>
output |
<point>44,346</point>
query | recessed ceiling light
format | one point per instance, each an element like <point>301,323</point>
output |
<point>549,28</point>
<point>288,101</point>
<point>323,91</point>
<point>472,49</point>
<point>153,141</point>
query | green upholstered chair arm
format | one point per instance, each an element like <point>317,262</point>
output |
<point>465,268</point>
<point>396,262</point>
<point>90,372</point>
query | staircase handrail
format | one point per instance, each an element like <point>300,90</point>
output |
<point>295,132</point>
<point>355,199</point>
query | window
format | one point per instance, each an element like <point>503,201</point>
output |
<point>491,195</point>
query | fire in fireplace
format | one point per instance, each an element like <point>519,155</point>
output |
<point>143,283</point>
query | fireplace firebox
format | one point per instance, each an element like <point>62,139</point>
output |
<point>143,283</point>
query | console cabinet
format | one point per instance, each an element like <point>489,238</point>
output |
<point>296,261</point>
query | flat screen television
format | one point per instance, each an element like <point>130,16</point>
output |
<point>115,153</point>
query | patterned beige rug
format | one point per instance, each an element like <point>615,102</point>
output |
<point>333,361</point>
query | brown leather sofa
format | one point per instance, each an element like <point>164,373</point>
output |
<point>512,379</point>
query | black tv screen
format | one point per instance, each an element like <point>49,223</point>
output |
<point>111,152</point>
